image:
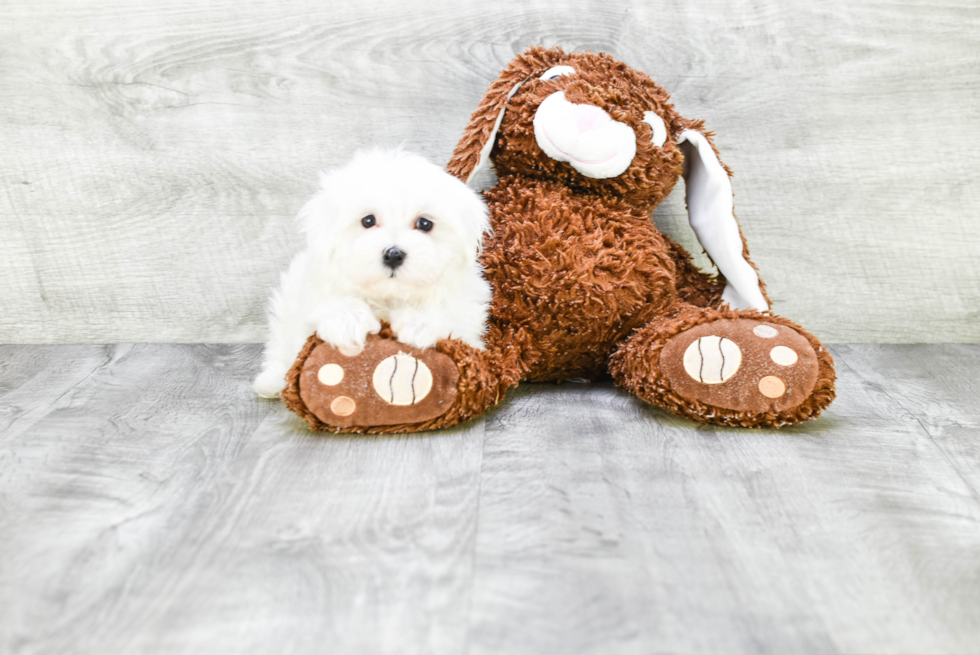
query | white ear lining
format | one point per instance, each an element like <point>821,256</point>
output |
<point>710,211</point>
<point>488,146</point>
<point>654,120</point>
<point>557,71</point>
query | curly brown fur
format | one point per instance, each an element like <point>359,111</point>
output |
<point>693,286</point>
<point>619,270</point>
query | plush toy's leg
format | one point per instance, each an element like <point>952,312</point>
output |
<point>389,387</point>
<point>727,367</point>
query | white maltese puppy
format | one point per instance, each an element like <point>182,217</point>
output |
<point>389,237</point>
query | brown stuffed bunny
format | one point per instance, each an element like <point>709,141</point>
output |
<point>584,285</point>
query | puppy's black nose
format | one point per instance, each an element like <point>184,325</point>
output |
<point>394,257</point>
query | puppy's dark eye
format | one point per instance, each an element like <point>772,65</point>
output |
<point>423,224</point>
<point>368,221</point>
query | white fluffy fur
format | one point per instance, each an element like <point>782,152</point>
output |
<point>339,287</point>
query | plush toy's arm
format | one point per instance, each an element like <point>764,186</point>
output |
<point>710,210</point>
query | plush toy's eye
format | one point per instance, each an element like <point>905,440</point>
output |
<point>423,224</point>
<point>555,72</point>
<point>368,221</point>
<point>659,128</point>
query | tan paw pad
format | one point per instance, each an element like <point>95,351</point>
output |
<point>771,387</point>
<point>343,406</point>
<point>351,351</point>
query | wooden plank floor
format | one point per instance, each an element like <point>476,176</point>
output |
<point>150,504</point>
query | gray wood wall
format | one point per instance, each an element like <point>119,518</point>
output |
<point>153,155</point>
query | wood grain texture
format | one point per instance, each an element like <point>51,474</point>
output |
<point>150,504</point>
<point>153,157</point>
<point>157,506</point>
<point>618,528</point>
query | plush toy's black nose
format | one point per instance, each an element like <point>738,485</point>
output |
<point>394,257</point>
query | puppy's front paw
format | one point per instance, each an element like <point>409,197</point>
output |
<point>270,382</point>
<point>346,327</point>
<point>419,330</point>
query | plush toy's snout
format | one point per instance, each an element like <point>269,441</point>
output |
<point>584,136</point>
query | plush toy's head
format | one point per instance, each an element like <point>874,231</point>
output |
<point>584,119</point>
<point>597,126</point>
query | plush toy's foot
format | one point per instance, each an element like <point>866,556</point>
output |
<point>742,369</point>
<point>741,364</point>
<point>388,386</point>
<point>387,383</point>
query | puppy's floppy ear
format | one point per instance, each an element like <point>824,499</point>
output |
<point>475,223</point>
<point>318,216</point>
<point>473,150</point>
<point>711,213</point>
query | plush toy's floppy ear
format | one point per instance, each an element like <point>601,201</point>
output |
<point>473,150</point>
<point>710,210</point>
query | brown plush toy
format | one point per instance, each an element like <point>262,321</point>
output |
<point>585,286</point>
